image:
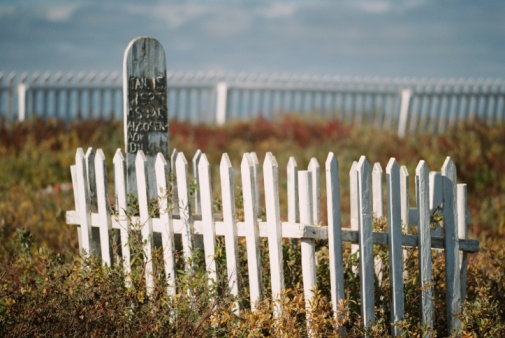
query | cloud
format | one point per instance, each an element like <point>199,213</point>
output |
<point>363,37</point>
<point>6,10</point>
<point>278,10</point>
<point>61,13</point>
<point>375,7</point>
<point>174,15</point>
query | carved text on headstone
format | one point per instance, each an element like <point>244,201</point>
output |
<point>147,112</point>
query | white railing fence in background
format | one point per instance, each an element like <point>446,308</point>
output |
<point>95,220</point>
<point>402,104</point>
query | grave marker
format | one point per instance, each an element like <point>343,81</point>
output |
<point>145,107</point>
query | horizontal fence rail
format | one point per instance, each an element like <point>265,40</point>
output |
<point>193,216</point>
<point>407,105</point>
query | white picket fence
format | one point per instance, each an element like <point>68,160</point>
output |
<point>194,215</point>
<point>408,105</point>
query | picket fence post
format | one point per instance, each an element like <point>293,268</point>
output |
<point>335,238</point>
<point>452,273</point>
<point>252,230</point>
<point>123,217</point>
<point>270,173</point>
<point>229,219</point>
<point>84,212</point>
<point>145,220</point>
<point>395,244</point>
<point>425,263</point>
<point>354,212</point>
<point>184,206</point>
<point>293,203</point>
<point>209,229</point>
<point>167,233</point>
<point>104,211</point>
<point>366,261</point>
<point>308,246</point>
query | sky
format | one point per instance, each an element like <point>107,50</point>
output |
<point>416,38</point>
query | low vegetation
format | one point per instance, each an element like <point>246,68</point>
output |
<point>46,288</point>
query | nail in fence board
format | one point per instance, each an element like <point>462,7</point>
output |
<point>145,107</point>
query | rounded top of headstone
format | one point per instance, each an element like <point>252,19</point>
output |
<point>145,57</point>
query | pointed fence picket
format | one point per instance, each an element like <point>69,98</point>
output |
<point>252,230</point>
<point>90,181</point>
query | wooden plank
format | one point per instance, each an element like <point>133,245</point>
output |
<point>308,246</point>
<point>167,233</point>
<point>395,244</point>
<point>291,230</point>
<point>93,203</point>
<point>229,219</point>
<point>293,203</point>
<point>145,107</point>
<point>452,273</point>
<point>91,175</point>
<point>196,198</point>
<point>196,195</point>
<point>404,197</point>
<point>104,211</point>
<point>208,226</point>
<point>75,186</point>
<point>123,217</point>
<point>353,191</point>
<point>84,215</point>
<point>314,170</point>
<point>378,200</point>
<point>252,231</point>
<point>405,210</point>
<point>145,221</point>
<point>335,237</point>
<point>175,192</point>
<point>365,243</point>
<point>463,234</point>
<point>184,206</point>
<point>425,263</point>
<point>378,210</point>
<point>436,198</point>
<point>271,174</point>
<point>256,167</point>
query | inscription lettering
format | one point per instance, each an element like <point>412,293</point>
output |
<point>147,111</point>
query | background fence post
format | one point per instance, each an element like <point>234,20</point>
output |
<point>22,87</point>
<point>221,99</point>
<point>404,111</point>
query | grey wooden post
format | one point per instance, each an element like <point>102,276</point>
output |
<point>453,288</point>
<point>395,244</point>
<point>145,108</point>
<point>425,263</point>
<point>365,243</point>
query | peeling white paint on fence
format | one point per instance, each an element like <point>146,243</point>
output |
<point>185,222</point>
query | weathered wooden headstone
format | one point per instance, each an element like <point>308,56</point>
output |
<point>145,107</point>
